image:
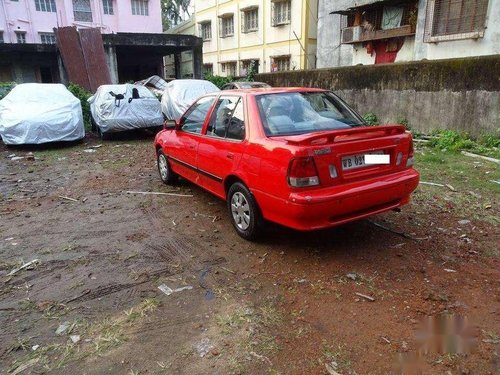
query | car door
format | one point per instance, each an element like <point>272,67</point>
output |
<point>182,149</point>
<point>221,146</point>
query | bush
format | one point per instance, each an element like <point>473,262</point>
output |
<point>218,81</point>
<point>83,95</point>
<point>5,88</point>
<point>404,121</point>
<point>371,119</point>
<point>451,140</point>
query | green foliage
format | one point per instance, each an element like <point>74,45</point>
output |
<point>5,88</point>
<point>371,119</point>
<point>218,81</point>
<point>451,140</point>
<point>83,95</point>
<point>172,12</point>
<point>252,70</point>
<point>404,121</point>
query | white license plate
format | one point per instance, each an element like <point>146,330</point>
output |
<point>357,161</point>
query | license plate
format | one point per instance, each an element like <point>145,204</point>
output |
<point>356,161</point>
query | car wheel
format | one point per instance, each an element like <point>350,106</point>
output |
<point>166,174</point>
<point>244,212</point>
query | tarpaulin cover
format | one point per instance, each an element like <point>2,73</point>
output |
<point>113,115</point>
<point>181,93</point>
<point>34,113</point>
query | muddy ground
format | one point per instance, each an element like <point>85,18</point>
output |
<point>284,305</point>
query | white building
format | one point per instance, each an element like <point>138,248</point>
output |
<point>276,35</point>
<point>352,32</point>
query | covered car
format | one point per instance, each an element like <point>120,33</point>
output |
<point>181,93</point>
<point>245,85</point>
<point>116,108</point>
<point>35,113</point>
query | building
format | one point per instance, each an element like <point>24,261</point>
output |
<point>272,35</point>
<point>352,32</point>
<point>185,59</point>
<point>132,37</point>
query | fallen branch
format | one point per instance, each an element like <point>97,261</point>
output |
<point>371,299</point>
<point>493,160</point>
<point>25,265</point>
<point>439,185</point>
<point>261,357</point>
<point>159,193</point>
<point>397,232</point>
<point>68,198</point>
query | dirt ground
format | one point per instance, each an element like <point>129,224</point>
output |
<point>287,304</point>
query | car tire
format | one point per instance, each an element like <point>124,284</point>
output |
<point>167,176</point>
<point>244,212</point>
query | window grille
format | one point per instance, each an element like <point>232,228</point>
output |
<point>246,64</point>
<point>208,69</point>
<point>140,7</point>
<point>250,20</point>
<point>1,37</point>
<point>21,38</point>
<point>226,26</point>
<point>205,30</point>
<point>229,68</point>
<point>107,7</point>
<point>82,10</point>
<point>280,64</point>
<point>455,19</point>
<point>45,5</point>
<point>48,38</point>
<point>280,12</point>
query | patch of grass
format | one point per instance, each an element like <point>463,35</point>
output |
<point>371,119</point>
<point>338,356</point>
<point>451,140</point>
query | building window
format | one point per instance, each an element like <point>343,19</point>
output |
<point>227,26</point>
<point>280,12</point>
<point>250,20</point>
<point>21,37</point>
<point>280,64</point>
<point>208,69</point>
<point>140,7</point>
<point>1,37</point>
<point>45,5</point>
<point>82,10</point>
<point>206,30</point>
<point>48,38</point>
<point>246,65</point>
<point>229,68</point>
<point>107,7</point>
<point>455,19</point>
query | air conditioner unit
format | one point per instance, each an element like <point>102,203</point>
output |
<point>351,34</point>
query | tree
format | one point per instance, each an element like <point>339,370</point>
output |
<point>174,11</point>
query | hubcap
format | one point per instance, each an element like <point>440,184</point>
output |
<point>240,210</point>
<point>163,166</point>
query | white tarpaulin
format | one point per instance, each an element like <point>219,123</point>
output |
<point>112,114</point>
<point>181,93</point>
<point>34,113</point>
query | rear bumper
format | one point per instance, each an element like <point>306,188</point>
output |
<point>324,208</point>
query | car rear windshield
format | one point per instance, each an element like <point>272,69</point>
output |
<point>304,112</point>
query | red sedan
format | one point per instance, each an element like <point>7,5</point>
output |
<point>299,157</point>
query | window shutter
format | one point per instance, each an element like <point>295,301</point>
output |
<point>273,12</point>
<point>243,22</point>
<point>221,30</point>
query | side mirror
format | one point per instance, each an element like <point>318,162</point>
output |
<point>169,124</point>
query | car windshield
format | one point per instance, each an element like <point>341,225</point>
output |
<point>304,112</point>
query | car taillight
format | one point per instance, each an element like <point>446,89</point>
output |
<point>302,172</point>
<point>410,160</point>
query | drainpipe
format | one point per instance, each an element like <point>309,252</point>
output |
<point>7,26</point>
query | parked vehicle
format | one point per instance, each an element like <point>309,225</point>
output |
<point>245,85</point>
<point>179,94</point>
<point>117,108</point>
<point>299,157</point>
<point>36,113</point>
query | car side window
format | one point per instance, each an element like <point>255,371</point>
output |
<point>228,120</point>
<point>193,120</point>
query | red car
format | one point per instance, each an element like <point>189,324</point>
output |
<point>299,157</point>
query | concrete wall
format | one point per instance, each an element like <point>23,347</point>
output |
<point>22,16</point>
<point>460,94</point>
<point>331,53</point>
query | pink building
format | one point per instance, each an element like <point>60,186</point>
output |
<point>131,31</point>
<point>32,21</point>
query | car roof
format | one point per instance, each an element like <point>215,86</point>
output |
<point>272,90</point>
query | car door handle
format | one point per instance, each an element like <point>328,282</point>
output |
<point>230,155</point>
